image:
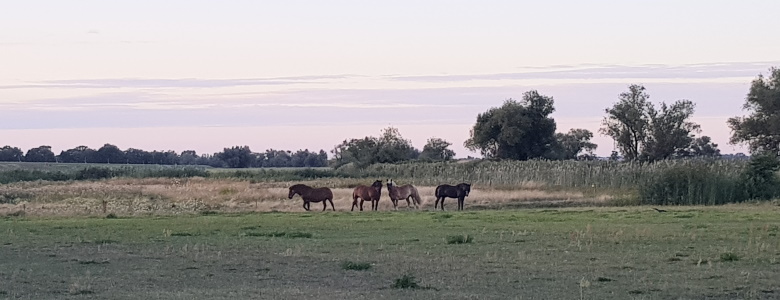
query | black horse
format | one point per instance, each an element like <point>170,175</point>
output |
<point>460,191</point>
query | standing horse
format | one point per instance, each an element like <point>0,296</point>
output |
<point>367,193</point>
<point>460,191</point>
<point>402,192</point>
<point>310,194</point>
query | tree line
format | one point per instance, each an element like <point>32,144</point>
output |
<point>233,157</point>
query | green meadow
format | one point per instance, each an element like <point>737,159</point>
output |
<point>724,252</point>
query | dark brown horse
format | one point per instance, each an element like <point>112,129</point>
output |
<point>367,193</point>
<point>460,191</point>
<point>310,194</point>
<point>402,192</point>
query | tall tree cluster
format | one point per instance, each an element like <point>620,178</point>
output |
<point>760,130</point>
<point>645,132</point>
<point>524,130</point>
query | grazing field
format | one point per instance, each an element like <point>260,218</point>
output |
<point>725,252</point>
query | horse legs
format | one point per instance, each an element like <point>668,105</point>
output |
<point>354,203</point>
<point>361,204</point>
<point>324,205</point>
<point>331,204</point>
<point>436,204</point>
<point>304,205</point>
<point>460,203</point>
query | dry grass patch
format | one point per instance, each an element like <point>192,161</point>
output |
<point>127,196</point>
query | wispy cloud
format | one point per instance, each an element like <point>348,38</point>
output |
<point>107,83</point>
<point>591,71</point>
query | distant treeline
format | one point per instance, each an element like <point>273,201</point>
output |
<point>234,157</point>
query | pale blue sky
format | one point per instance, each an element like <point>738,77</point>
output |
<point>203,75</point>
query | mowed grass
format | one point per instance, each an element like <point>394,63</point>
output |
<point>726,252</point>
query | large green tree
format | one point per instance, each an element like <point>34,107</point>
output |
<point>761,128</point>
<point>642,131</point>
<point>8,153</point>
<point>437,149</point>
<point>40,154</point>
<point>390,147</point>
<point>80,154</point>
<point>669,131</point>
<point>518,130</point>
<point>701,147</point>
<point>573,145</point>
<point>626,121</point>
<point>237,157</point>
<point>111,154</point>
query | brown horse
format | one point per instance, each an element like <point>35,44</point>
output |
<point>402,192</point>
<point>460,191</point>
<point>367,193</point>
<point>310,194</point>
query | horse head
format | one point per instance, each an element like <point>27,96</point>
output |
<point>293,191</point>
<point>390,183</point>
<point>465,187</point>
<point>377,185</point>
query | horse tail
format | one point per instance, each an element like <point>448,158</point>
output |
<point>436,192</point>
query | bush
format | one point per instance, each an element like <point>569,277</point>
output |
<point>759,180</point>
<point>406,282</point>
<point>93,173</point>
<point>691,185</point>
<point>459,239</point>
<point>729,256</point>
<point>355,266</point>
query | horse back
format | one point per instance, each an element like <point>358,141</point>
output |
<point>446,190</point>
<point>324,193</point>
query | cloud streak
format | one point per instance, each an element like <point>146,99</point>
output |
<point>590,71</point>
<point>109,83</point>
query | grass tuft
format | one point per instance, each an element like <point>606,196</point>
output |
<point>729,256</point>
<point>459,239</point>
<point>604,279</point>
<point>295,234</point>
<point>209,213</point>
<point>406,282</point>
<point>355,266</point>
<point>112,216</point>
<point>181,234</point>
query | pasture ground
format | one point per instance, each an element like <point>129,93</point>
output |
<point>726,252</point>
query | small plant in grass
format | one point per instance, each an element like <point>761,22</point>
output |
<point>729,256</point>
<point>459,239</point>
<point>298,234</point>
<point>406,282</point>
<point>208,213</point>
<point>295,234</point>
<point>355,266</point>
<point>111,216</point>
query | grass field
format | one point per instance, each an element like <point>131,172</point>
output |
<point>725,252</point>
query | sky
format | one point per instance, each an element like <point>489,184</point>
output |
<point>205,75</point>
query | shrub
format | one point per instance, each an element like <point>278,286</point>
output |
<point>356,266</point>
<point>406,282</point>
<point>759,180</point>
<point>729,256</point>
<point>691,185</point>
<point>459,239</point>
